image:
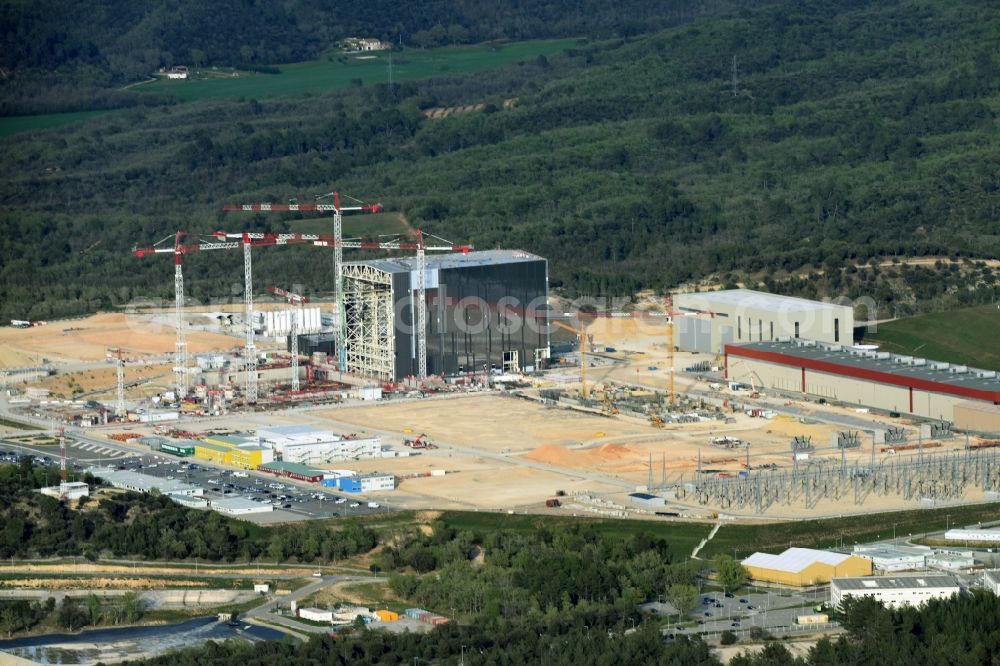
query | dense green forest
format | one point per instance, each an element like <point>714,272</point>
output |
<point>152,527</point>
<point>804,146</point>
<point>63,56</point>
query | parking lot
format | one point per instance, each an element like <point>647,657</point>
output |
<point>299,499</point>
<point>768,609</point>
<point>291,500</point>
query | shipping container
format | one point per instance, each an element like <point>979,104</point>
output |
<point>817,618</point>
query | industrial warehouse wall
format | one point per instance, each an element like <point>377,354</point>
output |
<point>848,390</point>
<point>977,417</point>
<point>816,573</point>
<point>461,336</point>
<point>750,323</point>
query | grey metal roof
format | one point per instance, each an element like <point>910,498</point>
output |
<point>144,482</point>
<point>910,367</point>
<point>451,260</point>
<point>755,299</point>
<point>794,560</point>
<point>895,582</point>
<point>239,503</point>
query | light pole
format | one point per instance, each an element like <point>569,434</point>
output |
<point>463,655</point>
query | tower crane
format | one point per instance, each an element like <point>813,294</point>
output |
<point>671,335</point>
<point>293,299</point>
<point>120,410</point>
<point>670,314</point>
<point>421,247</point>
<point>338,247</point>
<point>179,250</point>
<point>582,335</point>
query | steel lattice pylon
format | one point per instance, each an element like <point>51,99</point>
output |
<point>180,360</point>
<point>421,328</point>
<point>250,382</point>
<point>338,272</point>
<point>120,410</point>
<point>370,322</point>
<point>295,346</point>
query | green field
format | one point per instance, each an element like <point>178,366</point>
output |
<point>7,423</point>
<point>681,538</point>
<point>343,70</point>
<point>14,124</point>
<point>743,540</point>
<point>966,336</point>
<point>746,539</point>
<point>329,73</point>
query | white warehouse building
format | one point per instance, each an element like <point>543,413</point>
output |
<point>307,445</point>
<point>894,591</point>
<point>279,322</point>
<point>735,316</point>
<point>888,559</point>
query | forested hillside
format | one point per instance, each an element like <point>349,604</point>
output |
<point>854,132</point>
<point>59,56</point>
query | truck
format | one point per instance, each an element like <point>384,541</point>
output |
<point>815,618</point>
<point>241,475</point>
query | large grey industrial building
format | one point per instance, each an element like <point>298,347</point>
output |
<point>733,316</point>
<point>862,377</point>
<point>485,310</point>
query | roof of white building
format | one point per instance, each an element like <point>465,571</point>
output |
<point>894,582</point>
<point>755,299</point>
<point>794,560</point>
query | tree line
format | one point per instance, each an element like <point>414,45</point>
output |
<point>153,527</point>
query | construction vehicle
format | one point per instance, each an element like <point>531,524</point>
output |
<point>656,421</point>
<point>419,443</point>
<point>552,503</point>
<point>609,406</point>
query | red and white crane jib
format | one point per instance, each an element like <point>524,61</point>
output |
<point>265,238</point>
<point>293,298</point>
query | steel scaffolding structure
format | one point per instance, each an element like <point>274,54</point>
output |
<point>370,321</point>
<point>944,476</point>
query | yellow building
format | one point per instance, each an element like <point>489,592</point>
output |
<point>232,451</point>
<point>804,566</point>
<point>387,615</point>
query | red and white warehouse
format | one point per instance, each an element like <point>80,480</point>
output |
<point>862,376</point>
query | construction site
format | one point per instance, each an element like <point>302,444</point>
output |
<point>488,392</point>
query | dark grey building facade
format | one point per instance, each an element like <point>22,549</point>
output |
<point>485,311</point>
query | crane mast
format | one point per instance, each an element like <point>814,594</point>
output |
<point>120,410</point>
<point>250,381</point>
<point>294,299</point>
<point>338,248</point>
<point>421,308</point>
<point>180,356</point>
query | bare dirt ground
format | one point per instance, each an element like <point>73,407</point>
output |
<point>509,431</point>
<point>89,339</point>
<point>100,583</point>
<point>105,378</point>
<point>22,568</point>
